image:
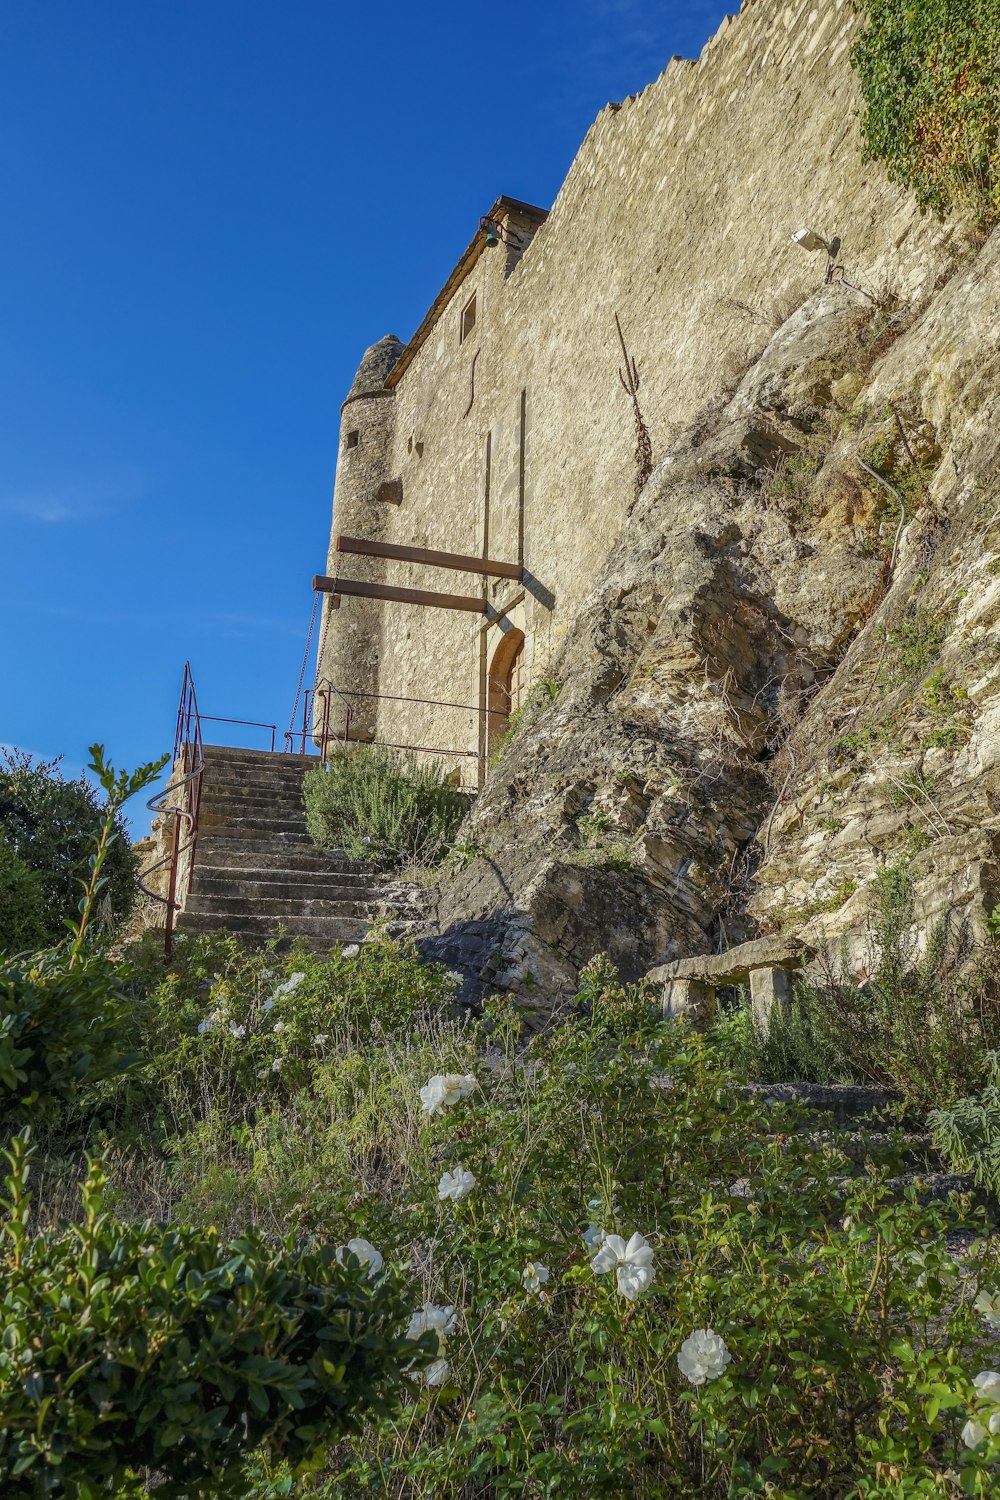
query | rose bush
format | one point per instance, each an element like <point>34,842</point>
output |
<point>808,1334</point>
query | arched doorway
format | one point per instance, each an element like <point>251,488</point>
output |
<point>506,686</point>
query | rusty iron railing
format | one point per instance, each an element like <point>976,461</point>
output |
<point>323,735</point>
<point>189,761</point>
<point>325,692</point>
<point>253,724</point>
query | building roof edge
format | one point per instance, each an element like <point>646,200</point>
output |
<point>501,208</point>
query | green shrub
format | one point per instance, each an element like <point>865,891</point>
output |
<point>61,1031</point>
<point>240,1031</point>
<point>853,1336</point>
<point>135,1348</point>
<point>61,1010</point>
<point>23,918</point>
<point>52,825</point>
<point>383,807</point>
<point>931,90</point>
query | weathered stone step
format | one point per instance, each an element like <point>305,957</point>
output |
<point>226,910</point>
<point>255,828</point>
<point>323,930</point>
<point>230,756</point>
<point>234,797</point>
<point>252,780</point>
<point>248,854</point>
<point>931,1187</point>
<point>265,885</point>
<point>843,1102</point>
<point>912,1149</point>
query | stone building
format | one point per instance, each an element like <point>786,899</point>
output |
<point>502,429</point>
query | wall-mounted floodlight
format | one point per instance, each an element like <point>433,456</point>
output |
<point>810,240</point>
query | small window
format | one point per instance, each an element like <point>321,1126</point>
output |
<point>353,438</point>
<point>468,318</point>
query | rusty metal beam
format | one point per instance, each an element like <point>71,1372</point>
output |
<point>458,560</point>
<point>359,590</point>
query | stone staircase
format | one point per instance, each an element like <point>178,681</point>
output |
<point>256,871</point>
<point>852,1120</point>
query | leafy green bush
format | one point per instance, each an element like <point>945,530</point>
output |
<point>23,918</point>
<point>383,807</point>
<point>61,1010</point>
<point>246,1029</point>
<point>492,1173</point>
<point>931,90</point>
<point>61,1031</point>
<point>52,825</point>
<point>133,1349</point>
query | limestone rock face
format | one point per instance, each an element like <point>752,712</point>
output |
<point>787,676</point>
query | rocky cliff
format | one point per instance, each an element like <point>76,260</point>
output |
<point>785,680</point>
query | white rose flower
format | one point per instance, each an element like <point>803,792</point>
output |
<point>535,1276</point>
<point>351,952</point>
<point>321,1040</point>
<point>987,1384</point>
<point>276,1065</point>
<point>988,1304</point>
<point>432,1318</point>
<point>290,985</point>
<point>366,1253</point>
<point>974,1433</point>
<point>444,1089</point>
<point>437,1373</point>
<point>632,1263</point>
<point>279,1026</point>
<point>593,1237</point>
<point>456,1185</point>
<point>703,1356</point>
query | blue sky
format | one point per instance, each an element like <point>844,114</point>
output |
<point>211,207</point>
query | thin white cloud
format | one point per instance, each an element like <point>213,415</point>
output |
<point>62,504</point>
<point>48,509</point>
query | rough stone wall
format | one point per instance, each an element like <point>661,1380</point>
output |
<point>785,682</point>
<point>676,214</point>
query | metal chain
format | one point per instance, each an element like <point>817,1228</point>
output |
<point>289,737</point>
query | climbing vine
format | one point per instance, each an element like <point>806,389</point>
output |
<point>929,72</point>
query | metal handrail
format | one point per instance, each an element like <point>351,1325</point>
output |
<point>253,723</point>
<point>324,689</point>
<point>189,750</point>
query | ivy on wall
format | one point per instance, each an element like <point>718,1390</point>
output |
<point>929,72</point>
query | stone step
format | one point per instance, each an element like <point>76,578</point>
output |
<point>255,828</point>
<point>252,780</point>
<point>308,888</point>
<point>241,924</point>
<point>932,1187</point>
<point>232,799</point>
<point>241,854</point>
<point>910,1149</point>
<point>232,756</point>
<point>843,1102</point>
<point>227,910</point>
